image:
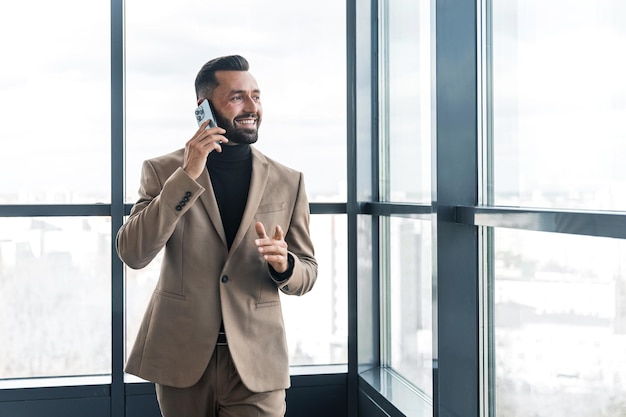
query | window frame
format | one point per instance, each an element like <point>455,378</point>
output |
<point>461,213</point>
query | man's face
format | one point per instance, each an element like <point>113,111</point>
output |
<point>237,105</point>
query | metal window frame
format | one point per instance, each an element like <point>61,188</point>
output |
<point>460,215</point>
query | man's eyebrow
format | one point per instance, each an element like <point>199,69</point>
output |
<point>257,91</point>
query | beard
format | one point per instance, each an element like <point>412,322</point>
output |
<point>236,134</point>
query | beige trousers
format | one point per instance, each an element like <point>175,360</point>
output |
<point>219,393</point>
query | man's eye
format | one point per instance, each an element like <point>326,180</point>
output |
<point>236,98</point>
<point>257,98</point>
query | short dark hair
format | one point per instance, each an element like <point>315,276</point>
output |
<point>206,80</point>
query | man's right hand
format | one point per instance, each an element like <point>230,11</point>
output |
<point>198,148</point>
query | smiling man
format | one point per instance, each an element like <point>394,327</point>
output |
<point>212,337</point>
<point>239,98</point>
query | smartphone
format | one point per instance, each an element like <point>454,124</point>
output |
<point>204,112</point>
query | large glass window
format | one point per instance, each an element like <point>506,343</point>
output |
<point>405,74</point>
<point>317,323</point>
<point>405,176</point>
<point>408,293</point>
<point>559,325</point>
<point>55,297</point>
<point>55,102</point>
<point>304,126</point>
<point>559,102</point>
<point>556,301</point>
<point>55,271</point>
<point>303,91</point>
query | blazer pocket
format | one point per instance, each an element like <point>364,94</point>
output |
<point>168,294</point>
<point>267,304</point>
<point>268,208</point>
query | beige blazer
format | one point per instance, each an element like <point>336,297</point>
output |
<point>201,283</point>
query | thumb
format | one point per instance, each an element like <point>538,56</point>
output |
<point>278,233</point>
<point>260,230</point>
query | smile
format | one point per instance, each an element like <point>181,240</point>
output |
<point>246,122</point>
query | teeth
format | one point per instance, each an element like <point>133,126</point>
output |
<point>246,122</point>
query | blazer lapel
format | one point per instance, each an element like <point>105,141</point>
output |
<point>210,204</point>
<point>258,182</point>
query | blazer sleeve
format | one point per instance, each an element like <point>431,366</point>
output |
<point>300,247</point>
<point>163,200</point>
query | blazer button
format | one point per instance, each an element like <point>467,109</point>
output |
<point>224,278</point>
<point>179,207</point>
<point>188,194</point>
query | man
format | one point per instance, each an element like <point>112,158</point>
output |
<point>213,338</point>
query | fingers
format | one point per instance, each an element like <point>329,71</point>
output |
<point>260,230</point>
<point>278,233</point>
<point>209,134</point>
<point>274,249</point>
<point>205,126</point>
<point>205,141</point>
<point>275,245</point>
<point>197,149</point>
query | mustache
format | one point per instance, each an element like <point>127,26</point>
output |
<point>247,116</point>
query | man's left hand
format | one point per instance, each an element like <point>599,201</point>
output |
<point>273,249</point>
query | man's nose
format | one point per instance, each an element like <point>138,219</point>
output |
<point>250,105</point>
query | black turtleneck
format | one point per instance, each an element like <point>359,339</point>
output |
<point>230,172</point>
